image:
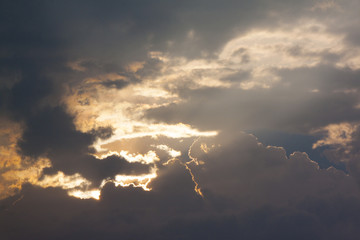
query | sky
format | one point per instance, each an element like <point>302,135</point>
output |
<point>180,119</point>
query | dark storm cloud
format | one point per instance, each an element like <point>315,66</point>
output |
<point>173,210</point>
<point>122,212</point>
<point>121,30</point>
<point>52,128</point>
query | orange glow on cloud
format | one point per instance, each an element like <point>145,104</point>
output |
<point>133,180</point>
<point>15,169</point>
<point>148,158</point>
<point>95,194</point>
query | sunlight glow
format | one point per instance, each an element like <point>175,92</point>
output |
<point>148,158</point>
<point>173,153</point>
<point>63,181</point>
<point>95,194</point>
<point>135,181</point>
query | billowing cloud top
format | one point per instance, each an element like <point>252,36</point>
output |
<point>180,119</point>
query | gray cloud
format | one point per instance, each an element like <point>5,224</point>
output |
<point>250,190</point>
<point>263,174</point>
<point>290,105</point>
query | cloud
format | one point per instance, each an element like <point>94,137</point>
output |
<point>297,107</point>
<point>341,145</point>
<point>251,190</point>
<point>14,169</point>
<point>241,169</point>
<point>107,101</point>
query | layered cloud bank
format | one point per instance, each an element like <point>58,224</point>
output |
<point>133,119</point>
